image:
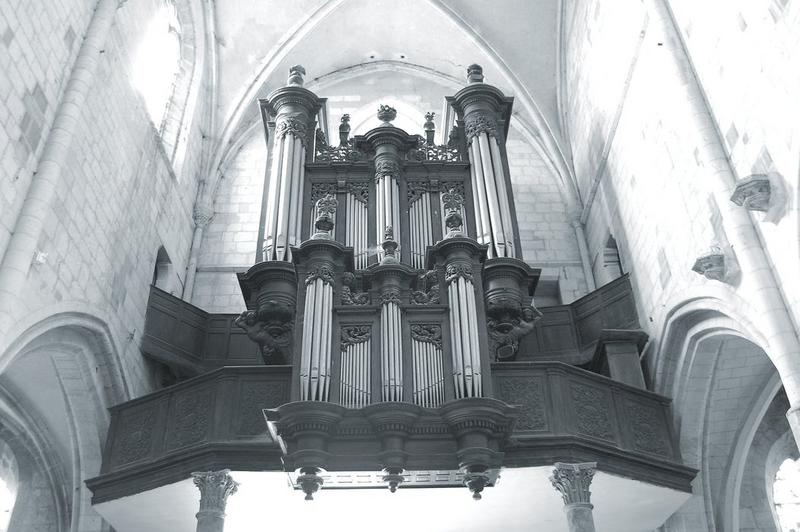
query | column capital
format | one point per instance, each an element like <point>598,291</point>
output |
<point>202,214</point>
<point>573,480</point>
<point>215,488</point>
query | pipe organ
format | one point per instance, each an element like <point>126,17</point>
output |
<point>391,271</point>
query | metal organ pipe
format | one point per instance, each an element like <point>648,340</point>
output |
<point>502,195</point>
<point>464,329</point>
<point>315,362</point>
<point>482,207</point>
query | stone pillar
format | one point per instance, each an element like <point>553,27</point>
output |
<point>572,481</point>
<point>294,110</point>
<point>215,488</point>
<point>486,111</point>
<point>583,248</point>
<point>202,216</point>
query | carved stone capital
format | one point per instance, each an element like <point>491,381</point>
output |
<point>320,272</point>
<point>753,193</point>
<point>454,271</point>
<point>292,124</point>
<point>202,215</point>
<point>215,488</point>
<point>573,480</point>
<point>386,167</point>
<point>390,295</point>
<point>477,123</point>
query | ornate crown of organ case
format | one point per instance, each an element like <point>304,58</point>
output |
<point>397,339</point>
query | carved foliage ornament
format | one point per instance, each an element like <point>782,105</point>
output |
<point>454,271</point>
<point>430,333</point>
<point>593,411</point>
<point>320,272</point>
<point>573,481</point>
<point>386,167</point>
<point>528,392</point>
<point>390,295</point>
<point>320,190</point>
<point>354,334</point>
<point>191,418</point>
<point>453,203</point>
<point>215,488</point>
<point>294,125</point>
<point>477,123</point>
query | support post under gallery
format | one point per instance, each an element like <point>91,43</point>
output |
<point>572,481</point>
<point>215,488</point>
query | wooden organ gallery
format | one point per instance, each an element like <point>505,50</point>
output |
<point>398,346</point>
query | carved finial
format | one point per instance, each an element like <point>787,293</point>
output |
<point>296,74</point>
<point>573,480</point>
<point>386,114</point>
<point>454,221</point>
<point>326,213</point>
<point>475,74</point>
<point>344,130</point>
<point>389,245</point>
<point>430,128</point>
<point>309,481</point>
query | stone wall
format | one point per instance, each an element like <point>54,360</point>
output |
<point>118,200</point>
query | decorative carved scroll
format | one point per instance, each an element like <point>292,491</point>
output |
<point>336,154</point>
<point>431,152</point>
<point>354,334</point>
<point>427,332</point>
<point>454,271</point>
<point>428,289</point>
<point>349,295</point>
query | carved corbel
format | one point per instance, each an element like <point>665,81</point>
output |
<point>753,193</point>
<point>507,327</point>
<point>271,328</point>
<point>717,264</point>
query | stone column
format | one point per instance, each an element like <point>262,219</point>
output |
<point>572,481</point>
<point>215,488</point>
<point>203,212</point>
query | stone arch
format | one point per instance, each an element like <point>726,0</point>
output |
<point>42,493</point>
<point>64,372</point>
<point>712,364</point>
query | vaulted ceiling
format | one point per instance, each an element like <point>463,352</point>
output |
<point>433,41</point>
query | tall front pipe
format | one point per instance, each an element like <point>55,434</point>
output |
<point>294,110</point>
<point>486,112</point>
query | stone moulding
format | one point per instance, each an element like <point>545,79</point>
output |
<point>753,193</point>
